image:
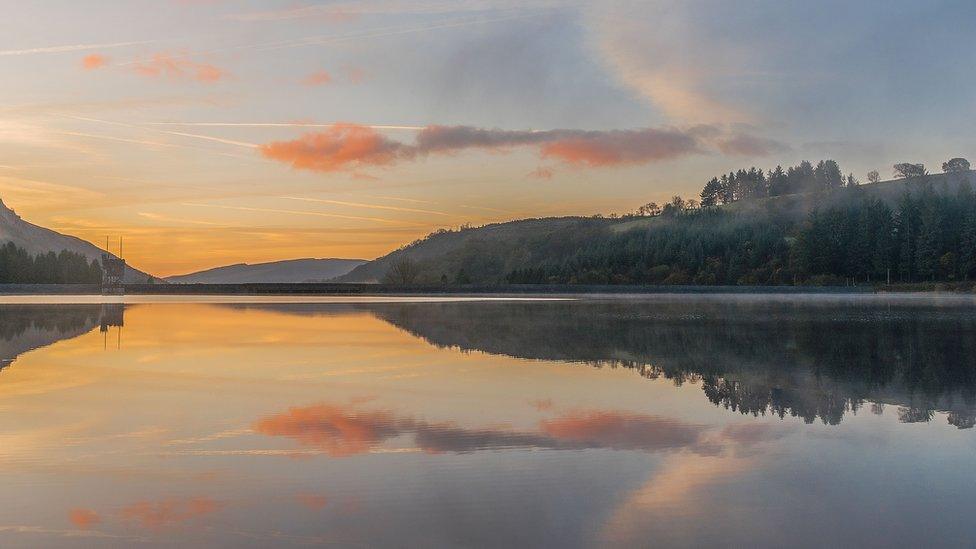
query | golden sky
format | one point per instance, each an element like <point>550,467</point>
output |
<point>208,132</point>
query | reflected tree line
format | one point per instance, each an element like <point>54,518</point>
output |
<point>817,360</point>
<point>27,327</point>
<point>807,361</point>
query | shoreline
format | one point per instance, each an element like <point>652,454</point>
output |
<point>337,289</point>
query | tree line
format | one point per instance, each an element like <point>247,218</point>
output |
<point>929,235</point>
<point>17,266</point>
<point>805,177</point>
<point>921,231</point>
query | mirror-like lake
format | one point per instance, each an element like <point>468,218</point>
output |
<point>654,421</point>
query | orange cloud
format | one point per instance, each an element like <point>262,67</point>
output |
<point>94,61</point>
<point>337,431</point>
<point>621,147</point>
<point>340,147</point>
<point>350,146</point>
<point>315,502</point>
<point>341,431</point>
<point>155,515</point>
<point>84,518</point>
<point>165,65</point>
<point>318,78</point>
<point>622,431</point>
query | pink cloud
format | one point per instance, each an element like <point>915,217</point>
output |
<point>350,146</point>
<point>318,78</point>
<point>612,148</point>
<point>94,61</point>
<point>176,67</point>
<point>345,146</point>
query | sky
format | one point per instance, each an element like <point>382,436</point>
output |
<point>209,132</point>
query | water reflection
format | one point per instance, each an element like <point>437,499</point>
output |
<point>345,430</point>
<point>484,424</point>
<point>816,359</point>
<point>24,328</point>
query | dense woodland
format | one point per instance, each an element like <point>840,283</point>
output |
<point>927,232</point>
<point>17,266</point>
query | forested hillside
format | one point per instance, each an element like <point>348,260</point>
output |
<point>918,228</point>
<point>17,266</point>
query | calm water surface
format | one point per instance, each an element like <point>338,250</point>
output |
<point>658,421</point>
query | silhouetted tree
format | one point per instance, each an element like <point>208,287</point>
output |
<point>710,193</point>
<point>874,176</point>
<point>955,165</point>
<point>17,266</point>
<point>907,170</point>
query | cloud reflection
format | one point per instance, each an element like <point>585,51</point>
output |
<point>156,515</point>
<point>341,431</point>
<point>84,519</point>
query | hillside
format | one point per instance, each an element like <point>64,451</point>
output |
<point>37,240</point>
<point>294,270</point>
<point>451,251</point>
<point>745,242</point>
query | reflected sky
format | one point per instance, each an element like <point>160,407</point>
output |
<point>664,421</point>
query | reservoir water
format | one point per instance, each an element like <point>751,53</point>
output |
<point>665,421</point>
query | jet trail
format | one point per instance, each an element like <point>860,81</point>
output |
<point>75,47</point>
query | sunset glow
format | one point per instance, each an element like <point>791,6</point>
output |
<point>181,125</point>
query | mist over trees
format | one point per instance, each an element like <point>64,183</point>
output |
<point>822,228</point>
<point>17,266</point>
<point>754,183</point>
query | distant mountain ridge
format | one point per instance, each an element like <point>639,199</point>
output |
<point>291,270</point>
<point>39,240</point>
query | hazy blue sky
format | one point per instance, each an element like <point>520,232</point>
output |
<point>450,111</point>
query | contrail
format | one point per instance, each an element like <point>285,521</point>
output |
<point>119,139</point>
<point>214,139</point>
<point>323,39</point>
<point>484,208</point>
<point>298,212</point>
<point>181,134</point>
<point>166,218</point>
<point>361,205</point>
<point>283,125</point>
<point>413,200</point>
<point>75,47</point>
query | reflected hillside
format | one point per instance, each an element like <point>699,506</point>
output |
<point>817,360</point>
<point>24,328</point>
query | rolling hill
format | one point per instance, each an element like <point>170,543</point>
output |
<point>293,270</point>
<point>491,253</point>
<point>38,240</point>
<point>445,251</point>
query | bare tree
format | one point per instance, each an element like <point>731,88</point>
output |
<point>402,272</point>
<point>651,209</point>
<point>874,176</point>
<point>907,170</point>
<point>955,165</point>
